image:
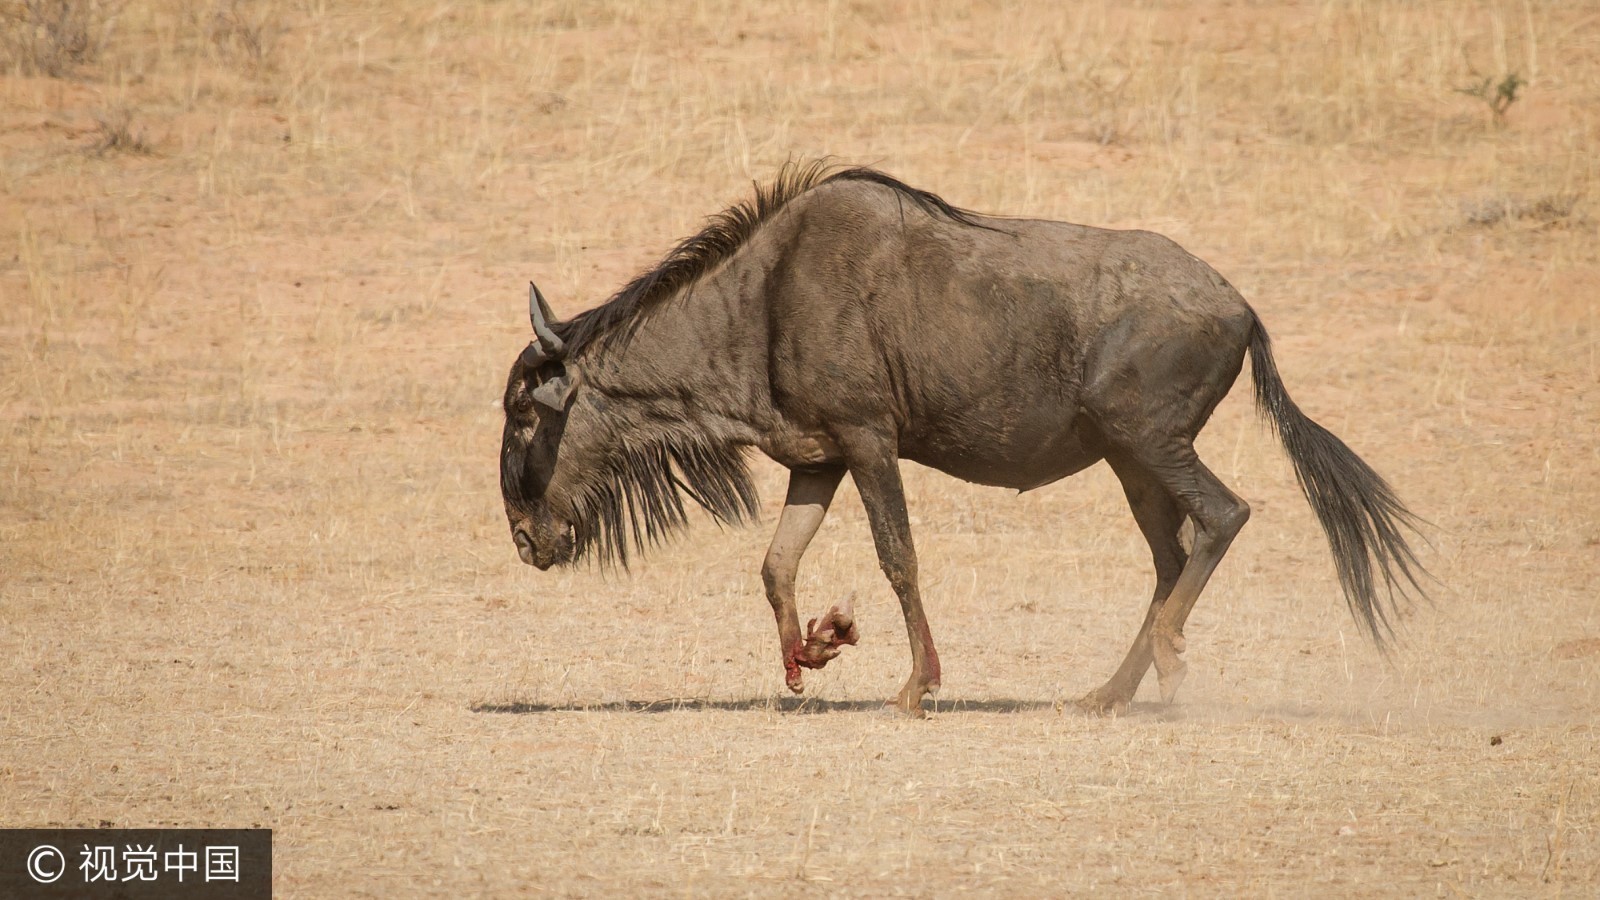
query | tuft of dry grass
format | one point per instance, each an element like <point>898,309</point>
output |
<point>254,568</point>
<point>55,37</point>
<point>117,133</point>
<point>245,31</point>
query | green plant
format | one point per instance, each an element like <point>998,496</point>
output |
<point>1497,96</point>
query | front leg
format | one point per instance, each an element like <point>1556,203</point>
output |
<point>810,493</point>
<point>877,477</point>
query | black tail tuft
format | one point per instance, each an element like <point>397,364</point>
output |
<point>1360,513</point>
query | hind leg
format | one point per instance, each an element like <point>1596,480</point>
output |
<point>1218,515</point>
<point>1157,385</point>
<point>1159,518</point>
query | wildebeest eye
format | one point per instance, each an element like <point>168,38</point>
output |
<point>522,400</point>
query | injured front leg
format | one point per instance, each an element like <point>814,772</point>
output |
<point>810,492</point>
<point>826,637</point>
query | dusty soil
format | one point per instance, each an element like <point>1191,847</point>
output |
<point>262,273</point>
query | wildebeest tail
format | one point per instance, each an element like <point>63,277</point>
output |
<point>1363,518</point>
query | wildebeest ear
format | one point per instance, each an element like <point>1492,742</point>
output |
<point>555,392</point>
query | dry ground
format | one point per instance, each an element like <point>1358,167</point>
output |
<point>261,267</point>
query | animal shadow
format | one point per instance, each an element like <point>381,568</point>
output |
<point>796,705</point>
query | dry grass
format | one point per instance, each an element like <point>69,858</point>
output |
<point>253,565</point>
<point>55,37</point>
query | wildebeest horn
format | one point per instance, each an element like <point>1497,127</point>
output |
<point>546,345</point>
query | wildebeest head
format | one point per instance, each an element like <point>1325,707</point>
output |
<point>585,475</point>
<point>532,477</point>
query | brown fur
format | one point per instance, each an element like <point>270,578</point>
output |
<point>842,322</point>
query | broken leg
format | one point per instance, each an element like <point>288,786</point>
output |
<point>826,637</point>
<point>810,492</point>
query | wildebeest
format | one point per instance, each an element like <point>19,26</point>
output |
<point>842,321</point>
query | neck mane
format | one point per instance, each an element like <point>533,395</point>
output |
<point>638,498</point>
<point>724,234</point>
<point>636,494</point>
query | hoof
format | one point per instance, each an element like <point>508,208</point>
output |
<point>909,701</point>
<point>1170,679</point>
<point>1102,702</point>
<point>792,676</point>
<point>894,709</point>
<point>1169,668</point>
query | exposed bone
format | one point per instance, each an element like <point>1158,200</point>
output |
<point>827,640</point>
